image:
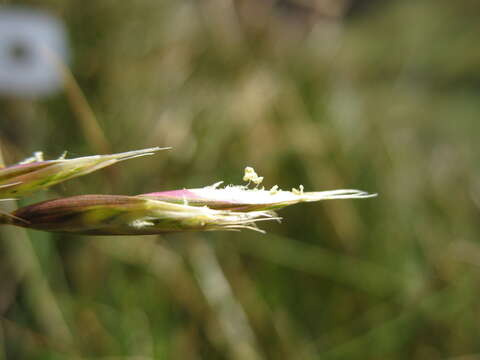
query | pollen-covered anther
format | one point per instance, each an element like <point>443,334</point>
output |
<point>36,157</point>
<point>297,191</point>
<point>258,180</point>
<point>249,174</point>
<point>274,190</point>
<point>252,176</point>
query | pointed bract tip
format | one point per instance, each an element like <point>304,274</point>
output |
<point>35,173</point>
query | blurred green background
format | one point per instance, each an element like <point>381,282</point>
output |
<point>381,96</point>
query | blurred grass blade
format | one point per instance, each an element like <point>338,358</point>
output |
<point>35,174</point>
<point>128,215</point>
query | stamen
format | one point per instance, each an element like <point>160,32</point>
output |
<point>251,176</point>
<point>37,157</point>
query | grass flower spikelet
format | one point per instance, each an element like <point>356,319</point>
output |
<point>35,173</point>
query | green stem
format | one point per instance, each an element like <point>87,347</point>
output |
<point>29,272</point>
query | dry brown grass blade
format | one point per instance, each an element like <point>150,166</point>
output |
<point>80,106</point>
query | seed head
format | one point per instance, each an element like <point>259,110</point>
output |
<point>35,173</point>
